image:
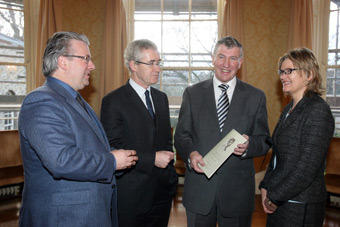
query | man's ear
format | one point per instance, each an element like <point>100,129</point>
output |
<point>213,60</point>
<point>132,66</point>
<point>63,62</point>
<point>240,63</point>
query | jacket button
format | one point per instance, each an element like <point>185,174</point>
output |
<point>114,186</point>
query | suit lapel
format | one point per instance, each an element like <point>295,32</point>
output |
<point>75,105</point>
<point>156,103</point>
<point>209,102</point>
<point>286,122</point>
<point>137,101</point>
<point>235,108</point>
<point>95,126</point>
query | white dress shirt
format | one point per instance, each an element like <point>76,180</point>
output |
<point>218,92</point>
<point>141,92</point>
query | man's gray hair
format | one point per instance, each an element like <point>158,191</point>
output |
<point>133,51</point>
<point>58,45</point>
<point>229,42</point>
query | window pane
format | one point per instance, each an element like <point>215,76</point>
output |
<point>331,59</point>
<point>12,4</point>
<point>174,112</point>
<point>337,88</point>
<point>204,9</point>
<point>174,82</point>
<point>200,75</point>
<point>12,80</point>
<point>178,9</point>
<point>148,30</point>
<point>9,118</point>
<point>176,44</point>
<point>333,30</point>
<point>330,83</point>
<point>330,73</point>
<point>330,87</point>
<point>333,74</point>
<point>12,32</point>
<point>334,4</point>
<point>202,43</point>
<point>147,9</point>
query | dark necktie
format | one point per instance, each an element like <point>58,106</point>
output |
<point>148,103</point>
<point>80,101</point>
<point>223,105</point>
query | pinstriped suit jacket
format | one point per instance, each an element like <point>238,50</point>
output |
<point>128,125</point>
<point>300,146</point>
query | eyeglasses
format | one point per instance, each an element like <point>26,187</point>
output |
<point>287,71</point>
<point>85,58</point>
<point>151,63</point>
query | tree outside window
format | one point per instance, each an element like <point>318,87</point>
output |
<point>185,32</point>
<point>333,63</point>
<point>12,62</point>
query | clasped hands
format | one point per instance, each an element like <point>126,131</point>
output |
<point>125,158</point>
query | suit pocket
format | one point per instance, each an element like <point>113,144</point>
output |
<point>71,198</point>
<point>73,208</point>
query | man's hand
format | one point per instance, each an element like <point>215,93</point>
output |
<point>125,158</point>
<point>196,158</point>
<point>241,148</point>
<point>163,158</point>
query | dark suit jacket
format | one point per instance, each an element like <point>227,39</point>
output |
<point>68,167</point>
<point>129,125</point>
<point>233,186</point>
<point>300,146</point>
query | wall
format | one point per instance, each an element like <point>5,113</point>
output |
<point>87,17</point>
<point>266,25</point>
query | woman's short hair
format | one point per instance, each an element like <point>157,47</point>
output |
<point>304,59</point>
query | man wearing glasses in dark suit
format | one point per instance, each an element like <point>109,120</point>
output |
<point>136,116</point>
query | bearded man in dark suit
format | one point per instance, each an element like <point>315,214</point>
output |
<point>137,116</point>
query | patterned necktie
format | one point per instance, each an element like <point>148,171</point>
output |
<point>148,103</point>
<point>222,106</point>
<point>80,101</point>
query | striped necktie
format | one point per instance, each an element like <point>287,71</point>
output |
<point>223,105</point>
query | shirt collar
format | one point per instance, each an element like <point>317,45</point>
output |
<point>231,83</point>
<point>51,79</point>
<point>139,89</point>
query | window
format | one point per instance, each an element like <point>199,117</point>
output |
<point>185,32</point>
<point>12,62</point>
<point>333,63</point>
<point>9,124</point>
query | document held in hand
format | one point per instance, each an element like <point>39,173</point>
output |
<point>221,152</point>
